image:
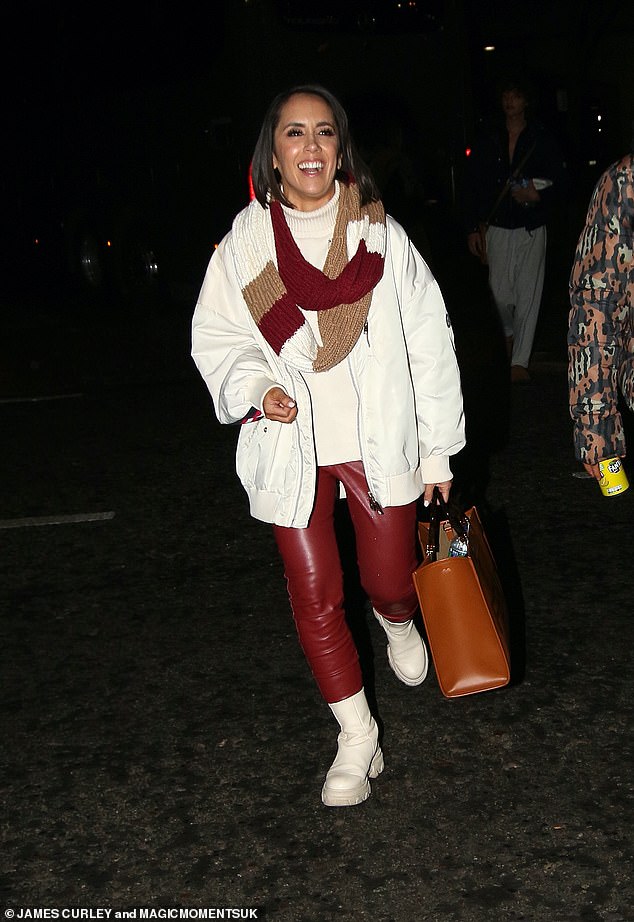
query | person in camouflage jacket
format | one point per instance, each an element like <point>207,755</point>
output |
<point>600,335</point>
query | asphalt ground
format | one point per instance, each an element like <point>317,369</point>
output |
<point>163,742</point>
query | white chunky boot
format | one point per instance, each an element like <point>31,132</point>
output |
<point>406,650</point>
<point>359,755</point>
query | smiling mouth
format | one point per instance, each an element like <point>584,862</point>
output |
<point>311,165</point>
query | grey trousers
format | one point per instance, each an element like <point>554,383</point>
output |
<point>517,260</point>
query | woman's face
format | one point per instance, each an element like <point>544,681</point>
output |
<point>306,151</point>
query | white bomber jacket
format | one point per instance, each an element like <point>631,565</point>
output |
<point>403,367</point>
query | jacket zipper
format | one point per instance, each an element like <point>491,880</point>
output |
<point>300,453</point>
<point>375,505</point>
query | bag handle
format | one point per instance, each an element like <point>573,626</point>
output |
<point>441,511</point>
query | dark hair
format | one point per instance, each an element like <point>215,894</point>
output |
<point>265,177</point>
<point>520,84</point>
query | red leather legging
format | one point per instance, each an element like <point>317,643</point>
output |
<point>386,554</point>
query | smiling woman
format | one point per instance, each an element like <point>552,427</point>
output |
<point>304,126</point>
<point>306,152</point>
<point>315,309</point>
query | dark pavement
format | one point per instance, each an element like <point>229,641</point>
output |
<point>163,742</point>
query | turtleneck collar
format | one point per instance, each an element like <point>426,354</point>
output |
<point>313,223</point>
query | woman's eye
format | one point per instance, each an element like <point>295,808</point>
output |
<point>329,132</point>
<point>294,132</point>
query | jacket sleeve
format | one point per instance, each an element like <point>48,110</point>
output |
<point>434,367</point>
<point>224,345</point>
<point>599,335</point>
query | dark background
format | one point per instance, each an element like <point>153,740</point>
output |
<point>130,131</point>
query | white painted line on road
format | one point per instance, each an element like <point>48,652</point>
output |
<point>29,521</point>
<point>40,399</point>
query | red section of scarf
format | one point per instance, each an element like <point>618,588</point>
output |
<point>308,286</point>
<point>281,321</point>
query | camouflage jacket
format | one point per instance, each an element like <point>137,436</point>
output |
<point>600,337</point>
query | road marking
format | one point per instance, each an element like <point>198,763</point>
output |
<point>40,399</point>
<point>56,519</point>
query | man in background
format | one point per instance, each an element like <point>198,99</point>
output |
<point>514,174</point>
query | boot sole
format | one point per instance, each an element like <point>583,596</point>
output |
<point>358,794</point>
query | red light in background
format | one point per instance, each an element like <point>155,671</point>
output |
<point>467,152</point>
<point>251,189</point>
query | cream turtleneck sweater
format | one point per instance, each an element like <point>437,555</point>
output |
<point>332,393</point>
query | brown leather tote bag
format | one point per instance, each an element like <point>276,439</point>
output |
<point>463,605</point>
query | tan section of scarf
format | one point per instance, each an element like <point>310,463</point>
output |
<point>263,291</point>
<point>341,326</point>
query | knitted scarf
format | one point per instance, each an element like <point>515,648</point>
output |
<point>276,280</point>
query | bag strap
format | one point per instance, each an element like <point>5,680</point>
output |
<point>432,545</point>
<point>509,182</point>
<point>441,511</point>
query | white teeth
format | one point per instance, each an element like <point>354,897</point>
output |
<point>311,165</point>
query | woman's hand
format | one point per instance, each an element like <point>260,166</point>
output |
<point>444,487</point>
<point>277,405</point>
